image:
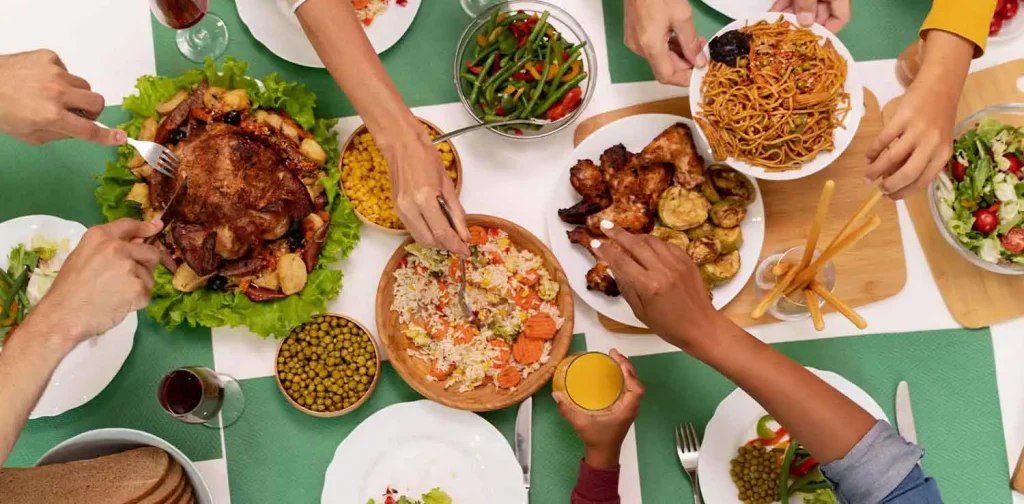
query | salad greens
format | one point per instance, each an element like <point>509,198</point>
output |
<point>435,496</point>
<point>209,308</point>
<point>981,196</point>
<point>30,272</point>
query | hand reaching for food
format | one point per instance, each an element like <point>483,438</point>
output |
<point>603,433</point>
<point>660,281</point>
<point>916,144</point>
<point>832,14</point>
<point>40,101</point>
<point>663,33</point>
<point>418,178</point>
<point>108,275</point>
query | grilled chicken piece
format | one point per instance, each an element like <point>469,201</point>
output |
<point>578,213</point>
<point>653,181</point>
<point>588,180</point>
<point>675,146</point>
<point>180,114</point>
<point>241,190</point>
<point>635,217</point>
<point>621,171</point>
<point>599,278</point>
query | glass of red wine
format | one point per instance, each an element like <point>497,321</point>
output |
<point>201,395</point>
<point>200,34</point>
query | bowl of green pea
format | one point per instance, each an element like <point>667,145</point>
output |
<point>525,59</point>
<point>328,367</point>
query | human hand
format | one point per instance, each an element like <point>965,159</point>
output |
<point>649,26</point>
<point>832,14</point>
<point>39,100</point>
<point>108,275</point>
<point>660,282</point>
<point>418,178</point>
<point>603,432</point>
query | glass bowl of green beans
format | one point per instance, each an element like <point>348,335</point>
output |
<point>525,59</point>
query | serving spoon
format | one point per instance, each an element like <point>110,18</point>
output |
<point>467,129</point>
<point>462,267</point>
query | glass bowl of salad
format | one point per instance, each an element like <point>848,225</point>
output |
<point>525,59</point>
<point>978,199</point>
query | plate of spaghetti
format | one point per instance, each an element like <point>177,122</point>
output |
<point>776,102</point>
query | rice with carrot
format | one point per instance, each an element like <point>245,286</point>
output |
<point>367,10</point>
<point>512,294</point>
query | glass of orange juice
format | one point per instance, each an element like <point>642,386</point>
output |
<point>592,381</point>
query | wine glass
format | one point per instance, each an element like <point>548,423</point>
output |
<point>475,7</point>
<point>200,34</point>
<point>201,395</point>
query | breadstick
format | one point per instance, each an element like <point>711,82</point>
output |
<point>869,203</point>
<point>812,306</point>
<point>774,294</point>
<point>819,220</point>
<point>811,271</point>
<point>839,305</point>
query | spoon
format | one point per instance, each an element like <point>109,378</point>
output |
<point>462,266</point>
<point>467,129</point>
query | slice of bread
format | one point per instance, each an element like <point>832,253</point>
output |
<point>121,478</point>
<point>188,497</point>
<point>171,484</point>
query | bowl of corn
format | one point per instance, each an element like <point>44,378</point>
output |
<point>367,184</point>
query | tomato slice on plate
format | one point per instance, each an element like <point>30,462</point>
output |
<point>1013,240</point>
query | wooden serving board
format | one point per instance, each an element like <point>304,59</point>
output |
<point>976,297</point>
<point>873,270</point>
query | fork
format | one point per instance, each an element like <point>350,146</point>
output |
<point>687,449</point>
<point>462,266</point>
<point>159,157</point>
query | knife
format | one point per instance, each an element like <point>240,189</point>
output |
<point>524,439</point>
<point>171,210</point>
<point>904,414</point>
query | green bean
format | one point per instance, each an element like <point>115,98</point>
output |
<point>540,85</point>
<point>501,77</point>
<point>495,34</point>
<point>800,483</point>
<point>564,65</point>
<point>479,80</point>
<point>492,22</point>
<point>557,95</point>
<point>818,485</point>
<point>468,76</point>
<point>512,19</point>
<point>489,118</point>
<point>487,52</point>
<point>787,460</point>
<point>538,28</point>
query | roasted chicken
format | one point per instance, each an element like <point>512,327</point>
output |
<point>675,146</point>
<point>599,277</point>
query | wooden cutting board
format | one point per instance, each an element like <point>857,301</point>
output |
<point>873,270</point>
<point>976,297</point>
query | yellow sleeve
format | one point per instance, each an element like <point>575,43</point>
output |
<point>966,18</point>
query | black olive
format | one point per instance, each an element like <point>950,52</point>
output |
<point>730,45</point>
<point>176,136</point>
<point>217,283</point>
<point>233,117</point>
<point>296,238</point>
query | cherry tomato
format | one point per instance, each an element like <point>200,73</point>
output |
<point>1015,163</point>
<point>957,169</point>
<point>985,221</point>
<point>1009,10</point>
<point>1013,240</point>
<point>995,26</point>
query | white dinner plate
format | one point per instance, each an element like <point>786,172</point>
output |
<point>737,9</point>
<point>635,132</point>
<point>843,135</point>
<point>734,423</point>
<point>274,24</point>
<point>416,446</point>
<point>91,365</point>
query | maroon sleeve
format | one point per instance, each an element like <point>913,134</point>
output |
<point>596,486</point>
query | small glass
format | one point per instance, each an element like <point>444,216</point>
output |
<point>200,34</point>
<point>476,7</point>
<point>201,395</point>
<point>592,381</point>
<point>785,307</point>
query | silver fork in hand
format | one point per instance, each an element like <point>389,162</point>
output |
<point>159,157</point>
<point>688,448</point>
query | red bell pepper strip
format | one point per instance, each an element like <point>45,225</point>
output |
<point>568,103</point>
<point>496,66</point>
<point>523,76</point>
<point>804,467</point>
<point>475,69</point>
<point>499,110</point>
<point>565,55</point>
<point>779,434</point>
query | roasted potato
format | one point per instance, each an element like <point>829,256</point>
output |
<point>136,161</point>
<point>212,97</point>
<point>730,183</point>
<point>148,131</point>
<point>677,238</point>
<point>291,272</point>
<point>273,120</point>
<point>142,171</point>
<point>682,209</point>
<point>291,131</point>
<point>313,222</point>
<point>313,151</point>
<point>730,238</point>
<point>728,213</point>
<point>168,106</point>
<point>186,280</point>
<point>705,229</point>
<point>139,193</point>
<point>723,268</point>
<point>268,280</point>
<point>704,250</point>
<point>236,99</point>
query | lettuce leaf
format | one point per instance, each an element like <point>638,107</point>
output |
<point>215,308</point>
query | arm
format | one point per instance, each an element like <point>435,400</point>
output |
<point>107,276</point>
<point>417,175</point>
<point>865,460</point>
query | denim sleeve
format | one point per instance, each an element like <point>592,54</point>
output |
<point>880,468</point>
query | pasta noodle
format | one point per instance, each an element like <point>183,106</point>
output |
<point>779,106</point>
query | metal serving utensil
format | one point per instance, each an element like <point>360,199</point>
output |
<point>161,158</point>
<point>462,267</point>
<point>171,210</point>
<point>467,129</point>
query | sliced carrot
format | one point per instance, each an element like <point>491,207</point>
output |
<point>441,373</point>
<point>509,377</point>
<point>540,326</point>
<point>487,380</point>
<point>439,333</point>
<point>464,334</point>
<point>530,278</point>
<point>454,272</point>
<point>504,349</point>
<point>528,300</point>
<point>527,350</point>
<point>477,235</point>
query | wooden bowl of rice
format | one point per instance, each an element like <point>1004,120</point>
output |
<point>365,182</point>
<point>484,397</point>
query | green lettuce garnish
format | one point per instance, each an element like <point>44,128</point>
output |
<point>215,308</point>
